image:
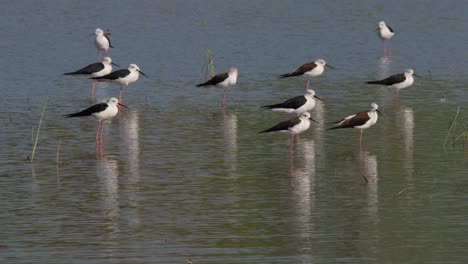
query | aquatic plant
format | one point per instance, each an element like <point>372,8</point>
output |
<point>39,128</point>
<point>456,134</point>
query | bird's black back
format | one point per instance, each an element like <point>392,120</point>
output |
<point>397,78</point>
<point>292,103</point>
<point>108,39</point>
<point>358,120</point>
<point>300,71</point>
<point>283,126</point>
<point>391,29</point>
<point>114,75</point>
<point>219,78</point>
<point>90,69</point>
<point>90,110</point>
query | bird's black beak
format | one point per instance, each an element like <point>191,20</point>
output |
<point>316,97</point>
<point>143,74</point>
<point>378,111</point>
<point>123,105</point>
<point>115,64</point>
<point>417,75</point>
<point>330,66</point>
<point>377,29</point>
<point>314,120</point>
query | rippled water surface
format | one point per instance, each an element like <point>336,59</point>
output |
<point>179,178</point>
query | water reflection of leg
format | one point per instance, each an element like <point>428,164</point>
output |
<point>102,132</point>
<point>291,146</point>
<point>384,48</point>
<point>291,167</point>
<point>120,95</point>
<point>224,98</point>
<point>397,100</point>
<point>360,141</point>
<point>97,133</point>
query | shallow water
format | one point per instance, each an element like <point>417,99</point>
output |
<point>177,177</point>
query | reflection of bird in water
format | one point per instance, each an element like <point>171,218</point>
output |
<point>130,140</point>
<point>309,70</point>
<point>361,120</point>
<point>303,185</point>
<point>107,171</point>
<point>293,126</point>
<point>370,174</point>
<point>230,127</point>
<point>101,112</point>
<point>384,66</point>
<point>297,105</point>
<point>405,120</point>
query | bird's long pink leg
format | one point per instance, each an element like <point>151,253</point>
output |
<point>99,55</point>
<point>390,48</point>
<point>307,86</point>
<point>120,94</point>
<point>97,133</point>
<point>92,88</point>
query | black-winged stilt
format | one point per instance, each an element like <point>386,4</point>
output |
<point>223,80</point>
<point>95,70</point>
<point>101,112</point>
<point>293,126</point>
<point>361,120</point>
<point>122,77</point>
<point>297,105</point>
<point>309,70</point>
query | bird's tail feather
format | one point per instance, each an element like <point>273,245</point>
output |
<point>270,106</point>
<point>74,115</point>
<point>374,82</point>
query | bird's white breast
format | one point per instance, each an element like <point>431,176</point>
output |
<point>107,69</point>
<point>373,119</point>
<point>318,70</point>
<point>385,33</point>
<point>406,83</point>
<point>132,77</point>
<point>309,105</point>
<point>232,80</point>
<point>110,112</point>
<point>302,126</point>
<point>101,43</point>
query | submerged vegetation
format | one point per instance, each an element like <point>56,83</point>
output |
<point>39,128</point>
<point>458,129</point>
